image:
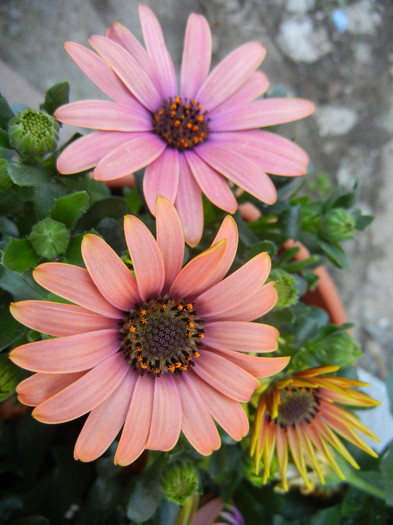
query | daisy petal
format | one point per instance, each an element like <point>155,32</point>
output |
<point>137,426</point>
<point>253,307</point>
<point>84,394</point>
<point>39,387</point>
<point>59,319</point>
<point>253,88</point>
<point>105,421</point>
<point>161,178</point>
<point>167,415</point>
<point>195,65</point>
<point>158,52</point>
<point>197,425</point>
<point>140,150</point>
<point>255,365</point>
<point>72,353</point>
<point>241,336</point>
<point>75,285</point>
<point>227,77</point>
<point>146,258</point>
<point>111,276</point>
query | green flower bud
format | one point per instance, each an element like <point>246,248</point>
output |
<point>179,482</point>
<point>33,132</point>
<point>343,351</point>
<point>338,225</point>
<point>286,288</point>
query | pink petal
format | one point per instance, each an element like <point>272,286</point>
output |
<point>40,387</point>
<point>161,178</point>
<point>253,88</point>
<point>228,413</point>
<point>136,429</point>
<point>99,72</point>
<point>108,272</point>
<point>189,205</point>
<point>209,512</point>
<point>72,353</point>
<point>225,376</point>
<point>261,302</point>
<point>140,150</point>
<point>86,152</point>
<point>241,336</point>
<point>158,52</point>
<point>59,319</point>
<point>106,115</point>
<point>197,424</point>
<point>255,365</point>
<point>84,394</point>
<point>259,114</point>
<point>227,77</point>
<point>196,55</point>
<point>129,71</point>
<point>213,185</point>
<point>146,258</point>
<point>234,289</point>
<point>239,169</point>
<point>191,280</point>
<point>167,415</point>
<point>105,421</point>
<point>170,239</point>
<point>75,285</point>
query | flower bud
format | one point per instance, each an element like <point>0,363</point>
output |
<point>338,225</point>
<point>33,132</point>
<point>286,288</point>
<point>179,482</point>
<point>342,349</point>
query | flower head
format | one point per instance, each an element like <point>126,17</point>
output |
<point>299,412</point>
<point>155,353</point>
<point>33,132</point>
<point>189,138</point>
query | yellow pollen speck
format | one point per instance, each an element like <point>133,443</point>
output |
<point>139,358</point>
<point>184,367</point>
<point>177,123</point>
<point>200,118</point>
<point>143,321</point>
<point>171,368</point>
<point>193,102</point>
<point>195,128</point>
<point>143,312</point>
<point>173,107</point>
<point>143,365</point>
<point>197,354</point>
<point>180,307</point>
<point>189,306</point>
<point>132,328</point>
<point>201,336</point>
<point>178,364</point>
<point>177,100</point>
<point>200,107</point>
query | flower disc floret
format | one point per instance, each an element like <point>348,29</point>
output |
<point>297,405</point>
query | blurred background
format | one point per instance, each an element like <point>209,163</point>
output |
<point>337,53</point>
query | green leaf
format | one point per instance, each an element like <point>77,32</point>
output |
<point>10,376</point>
<point>101,502</point>
<point>262,246</point>
<point>4,142</point>
<point>144,500</point>
<point>10,329</point>
<point>5,112</point>
<point>56,96</point>
<point>68,209</point>
<point>49,238</point>
<point>19,255</point>
<point>9,505</point>
<point>73,254</point>
<point>290,221</point>
<point>134,202</point>
<point>21,286</point>
<point>22,174</point>
<point>335,254</point>
<point>113,208</point>
<point>386,467</point>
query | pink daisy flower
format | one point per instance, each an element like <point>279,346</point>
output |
<point>189,139</point>
<point>157,353</point>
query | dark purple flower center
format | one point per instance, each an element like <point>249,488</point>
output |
<point>182,125</point>
<point>297,405</point>
<point>162,336</point>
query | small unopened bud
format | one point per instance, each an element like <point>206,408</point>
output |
<point>338,225</point>
<point>179,482</point>
<point>342,349</point>
<point>33,133</point>
<point>286,288</point>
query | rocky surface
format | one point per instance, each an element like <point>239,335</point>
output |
<point>340,58</point>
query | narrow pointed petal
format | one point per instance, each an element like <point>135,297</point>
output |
<point>297,454</point>
<point>170,240</point>
<point>105,421</point>
<point>261,113</point>
<point>138,420</point>
<point>39,387</point>
<point>234,289</point>
<point>73,353</point>
<point>282,455</point>
<point>59,319</point>
<point>227,77</point>
<point>253,307</point>
<point>196,55</point>
<point>225,376</point>
<point>161,178</point>
<point>86,152</point>
<point>255,365</point>
<point>99,72</point>
<point>239,169</point>
<point>197,425</point>
<point>241,336</point>
<point>253,88</point>
<point>146,258</point>
<point>228,413</point>
<point>111,276</point>
<point>167,415</point>
<point>158,52</point>
<point>86,393</point>
<point>213,185</point>
<point>139,151</point>
<point>75,285</point>
<point>191,280</point>
<point>189,205</point>
<point>105,115</point>
<point>128,70</point>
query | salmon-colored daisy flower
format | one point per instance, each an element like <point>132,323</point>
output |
<point>189,138</point>
<point>157,353</point>
<point>300,413</point>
